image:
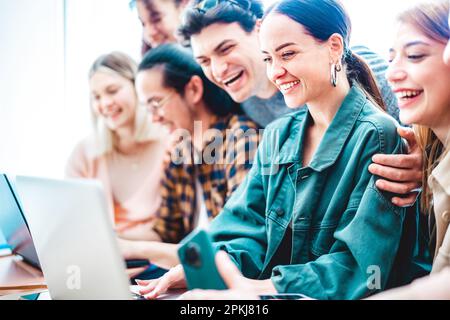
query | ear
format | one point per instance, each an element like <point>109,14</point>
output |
<point>193,92</point>
<point>336,47</point>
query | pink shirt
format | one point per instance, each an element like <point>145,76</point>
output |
<point>131,182</point>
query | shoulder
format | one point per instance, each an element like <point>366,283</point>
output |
<point>240,129</point>
<point>241,122</point>
<point>379,125</point>
<point>281,137</point>
<point>285,122</point>
<point>85,149</point>
<point>82,159</point>
<point>82,147</point>
<point>373,117</point>
<point>286,125</point>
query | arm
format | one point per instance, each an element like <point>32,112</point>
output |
<point>401,174</point>
<point>77,165</point>
<point>171,224</point>
<point>239,288</point>
<point>432,287</point>
<point>363,244</point>
<point>163,255</point>
<point>140,232</point>
<point>240,228</point>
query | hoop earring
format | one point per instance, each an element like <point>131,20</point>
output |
<point>335,68</point>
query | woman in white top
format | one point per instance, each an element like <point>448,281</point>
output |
<point>125,150</point>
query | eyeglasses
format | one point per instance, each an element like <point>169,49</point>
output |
<point>205,5</point>
<point>155,105</point>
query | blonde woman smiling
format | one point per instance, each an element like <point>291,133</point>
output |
<point>420,74</point>
<point>124,151</point>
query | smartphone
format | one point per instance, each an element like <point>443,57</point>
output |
<point>285,296</point>
<point>197,257</point>
<point>137,263</point>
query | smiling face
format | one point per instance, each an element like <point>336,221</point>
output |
<point>173,111</point>
<point>296,62</point>
<point>113,98</point>
<point>231,59</point>
<point>159,24</point>
<point>419,78</point>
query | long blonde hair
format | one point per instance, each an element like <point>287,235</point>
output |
<point>124,66</point>
<point>432,149</point>
<point>431,18</point>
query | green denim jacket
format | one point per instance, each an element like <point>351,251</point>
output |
<point>345,232</point>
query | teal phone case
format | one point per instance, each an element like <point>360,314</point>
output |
<point>197,256</point>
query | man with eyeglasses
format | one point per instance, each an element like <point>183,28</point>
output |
<point>210,160</point>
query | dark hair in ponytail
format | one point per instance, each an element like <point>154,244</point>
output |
<point>358,70</point>
<point>322,19</point>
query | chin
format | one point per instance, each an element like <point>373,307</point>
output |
<point>117,124</point>
<point>238,99</point>
<point>240,96</point>
<point>409,118</point>
<point>293,103</point>
<point>112,126</point>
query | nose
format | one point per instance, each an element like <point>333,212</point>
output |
<point>151,33</point>
<point>395,73</point>
<point>106,103</point>
<point>275,71</point>
<point>218,69</point>
<point>157,115</point>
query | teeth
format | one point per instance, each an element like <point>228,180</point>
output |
<point>287,86</point>
<point>232,78</point>
<point>114,113</point>
<point>408,94</point>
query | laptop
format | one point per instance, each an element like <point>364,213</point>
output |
<point>13,224</point>
<point>74,239</point>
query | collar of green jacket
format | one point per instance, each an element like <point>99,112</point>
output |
<point>334,139</point>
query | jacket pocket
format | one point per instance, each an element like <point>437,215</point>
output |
<point>279,215</point>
